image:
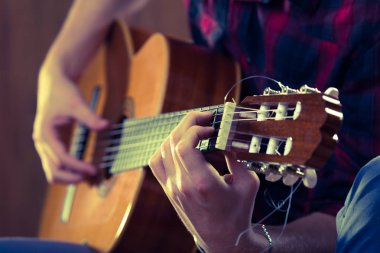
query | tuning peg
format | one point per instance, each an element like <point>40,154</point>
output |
<point>289,179</point>
<point>287,90</point>
<point>256,167</point>
<point>272,177</point>
<point>310,178</point>
<point>269,91</point>
<point>275,173</point>
<point>271,174</point>
<point>306,89</point>
<point>332,92</point>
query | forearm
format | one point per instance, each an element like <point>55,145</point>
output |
<point>313,233</point>
<point>82,33</point>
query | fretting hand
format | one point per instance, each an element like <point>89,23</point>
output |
<point>215,209</point>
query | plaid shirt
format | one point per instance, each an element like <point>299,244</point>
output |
<point>321,43</point>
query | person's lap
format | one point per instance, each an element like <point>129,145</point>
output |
<point>358,222</point>
<point>35,245</point>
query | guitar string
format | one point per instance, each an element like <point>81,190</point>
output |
<point>142,134</point>
<point>127,144</point>
<point>141,144</point>
<point>144,144</point>
<point>108,161</point>
<point>168,116</point>
<point>110,156</point>
<point>105,135</point>
<point>176,115</point>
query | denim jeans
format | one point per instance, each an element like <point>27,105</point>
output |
<point>35,245</point>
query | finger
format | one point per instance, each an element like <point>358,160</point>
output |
<point>238,169</point>
<point>170,176</point>
<point>177,181</point>
<point>240,176</point>
<point>57,164</point>
<point>189,157</point>
<point>183,184</point>
<point>54,175</point>
<point>157,167</point>
<point>84,115</point>
<point>204,178</point>
<point>167,159</point>
<point>54,148</point>
<point>179,208</point>
<point>66,177</point>
<point>191,119</point>
<point>169,186</point>
<point>243,181</point>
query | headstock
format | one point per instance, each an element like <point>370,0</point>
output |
<point>283,134</point>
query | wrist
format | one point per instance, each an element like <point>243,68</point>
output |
<point>268,237</point>
<point>253,241</point>
<point>56,66</point>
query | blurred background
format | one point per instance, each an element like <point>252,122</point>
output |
<point>27,28</point>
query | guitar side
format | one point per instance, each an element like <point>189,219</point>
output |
<point>130,212</point>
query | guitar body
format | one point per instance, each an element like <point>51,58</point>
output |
<point>129,212</point>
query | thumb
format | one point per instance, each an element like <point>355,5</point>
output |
<point>240,175</point>
<point>87,117</point>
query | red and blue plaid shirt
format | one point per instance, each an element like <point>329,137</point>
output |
<point>321,43</point>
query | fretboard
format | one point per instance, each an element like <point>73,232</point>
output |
<point>136,140</point>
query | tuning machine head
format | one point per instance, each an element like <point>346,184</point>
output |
<point>305,89</point>
<point>289,174</point>
<point>272,172</point>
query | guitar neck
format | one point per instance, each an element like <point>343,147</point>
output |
<point>134,141</point>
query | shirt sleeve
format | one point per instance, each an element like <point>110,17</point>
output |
<point>358,221</point>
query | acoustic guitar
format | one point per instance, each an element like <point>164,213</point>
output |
<point>145,94</point>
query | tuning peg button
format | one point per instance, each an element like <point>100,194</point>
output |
<point>310,179</point>
<point>289,179</point>
<point>272,177</point>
